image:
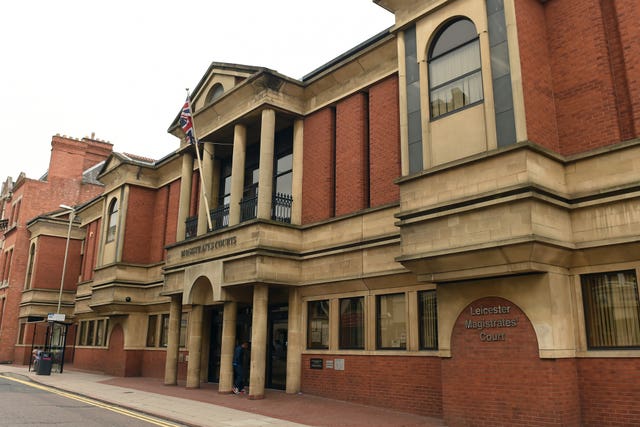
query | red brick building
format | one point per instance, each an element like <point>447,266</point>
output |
<point>442,220</point>
<point>31,264</point>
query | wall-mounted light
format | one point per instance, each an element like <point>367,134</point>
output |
<point>127,299</point>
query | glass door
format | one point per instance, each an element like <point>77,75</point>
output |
<point>277,349</point>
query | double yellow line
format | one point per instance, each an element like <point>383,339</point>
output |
<point>94,402</point>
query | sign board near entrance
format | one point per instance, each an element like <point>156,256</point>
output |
<point>56,317</point>
<point>315,363</point>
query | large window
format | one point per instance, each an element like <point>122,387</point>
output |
<point>184,321</point>
<point>391,325</point>
<point>152,330</point>
<point>352,323</point>
<point>113,220</point>
<point>455,79</point>
<point>611,309</point>
<point>93,332</point>
<point>428,320</point>
<point>318,324</point>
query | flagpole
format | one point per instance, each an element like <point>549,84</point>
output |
<point>202,185</point>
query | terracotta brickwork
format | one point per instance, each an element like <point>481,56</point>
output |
<point>318,158</point>
<point>496,377</point>
<point>579,83</point>
<point>384,142</point>
<point>403,383</point>
<point>352,154</point>
<point>610,391</point>
<point>92,239</point>
<point>47,270</point>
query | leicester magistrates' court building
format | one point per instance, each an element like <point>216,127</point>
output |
<point>443,220</point>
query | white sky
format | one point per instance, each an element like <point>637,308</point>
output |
<point>120,68</point>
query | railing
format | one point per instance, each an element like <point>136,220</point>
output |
<point>280,211</point>
<point>281,207</point>
<point>192,227</point>
<point>4,223</point>
<point>248,208</point>
<point>220,217</point>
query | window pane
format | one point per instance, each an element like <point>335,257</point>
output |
<point>428,318</point>
<point>352,323</point>
<point>151,331</point>
<point>90,329</point>
<point>318,324</point>
<point>82,335</point>
<point>283,183</point>
<point>461,61</point>
<point>284,164</point>
<point>459,32</point>
<point>184,320</point>
<point>164,337</point>
<point>611,309</point>
<point>453,96</point>
<point>391,325</point>
<point>100,332</point>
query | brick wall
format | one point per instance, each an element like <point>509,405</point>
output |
<point>352,154</point>
<point>140,222</point>
<point>537,79</point>
<point>404,383</point>
<point>610,391</point>
<point>49,262</point>
<point>92,237</point>
<point>583,87</point>
<point>384,142</point>
<point>505,382</point>
<point>318,179</point>
<point>628,16</point>
<point>173,204</point>
<point>153,363</point>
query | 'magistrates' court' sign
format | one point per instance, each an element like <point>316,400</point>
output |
<point>492,322</point>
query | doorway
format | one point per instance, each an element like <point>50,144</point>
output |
<point>278,328</point>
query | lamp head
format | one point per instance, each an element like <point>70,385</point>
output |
<point>68,208</point>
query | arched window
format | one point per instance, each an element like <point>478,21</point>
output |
<point>214,93</point>
<point>455,78</point>
<point>113,220</point>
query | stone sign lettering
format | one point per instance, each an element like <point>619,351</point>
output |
<point>209,246</point>
<point>487,326</point>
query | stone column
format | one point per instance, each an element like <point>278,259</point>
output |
<point>265,179</point>
<point>228,344</point>
<point>173,341</point>
<point>195,346</point>
<point>294,344</point>
<point>258,341</point>
<point>237,172</point>
<point>207,178</point>
<point>296,184</point>
<point>185,195</point>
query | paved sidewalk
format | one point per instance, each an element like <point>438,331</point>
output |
<point>206,407</point>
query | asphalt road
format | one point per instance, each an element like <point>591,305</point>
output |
<point>24,403</point>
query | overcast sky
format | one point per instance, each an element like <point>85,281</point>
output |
<point>120,68</point>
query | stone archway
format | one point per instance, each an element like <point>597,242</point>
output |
<point>495,375</point>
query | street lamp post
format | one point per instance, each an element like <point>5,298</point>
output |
<point>72,212</point>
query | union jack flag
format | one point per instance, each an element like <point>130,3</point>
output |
<point>186,122</point>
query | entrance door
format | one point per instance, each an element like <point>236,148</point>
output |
<point>277,349</point>
<point>215,345</point>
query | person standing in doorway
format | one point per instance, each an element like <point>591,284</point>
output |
<point>238,367</point>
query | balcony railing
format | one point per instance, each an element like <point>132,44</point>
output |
<point>280,211</point>
<point>191,228</point>
<point>248,208</point>
<point>220,217</point>
<point>4,223</point>
<point>281,207</point>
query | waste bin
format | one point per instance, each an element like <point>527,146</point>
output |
<point>43,363</point>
